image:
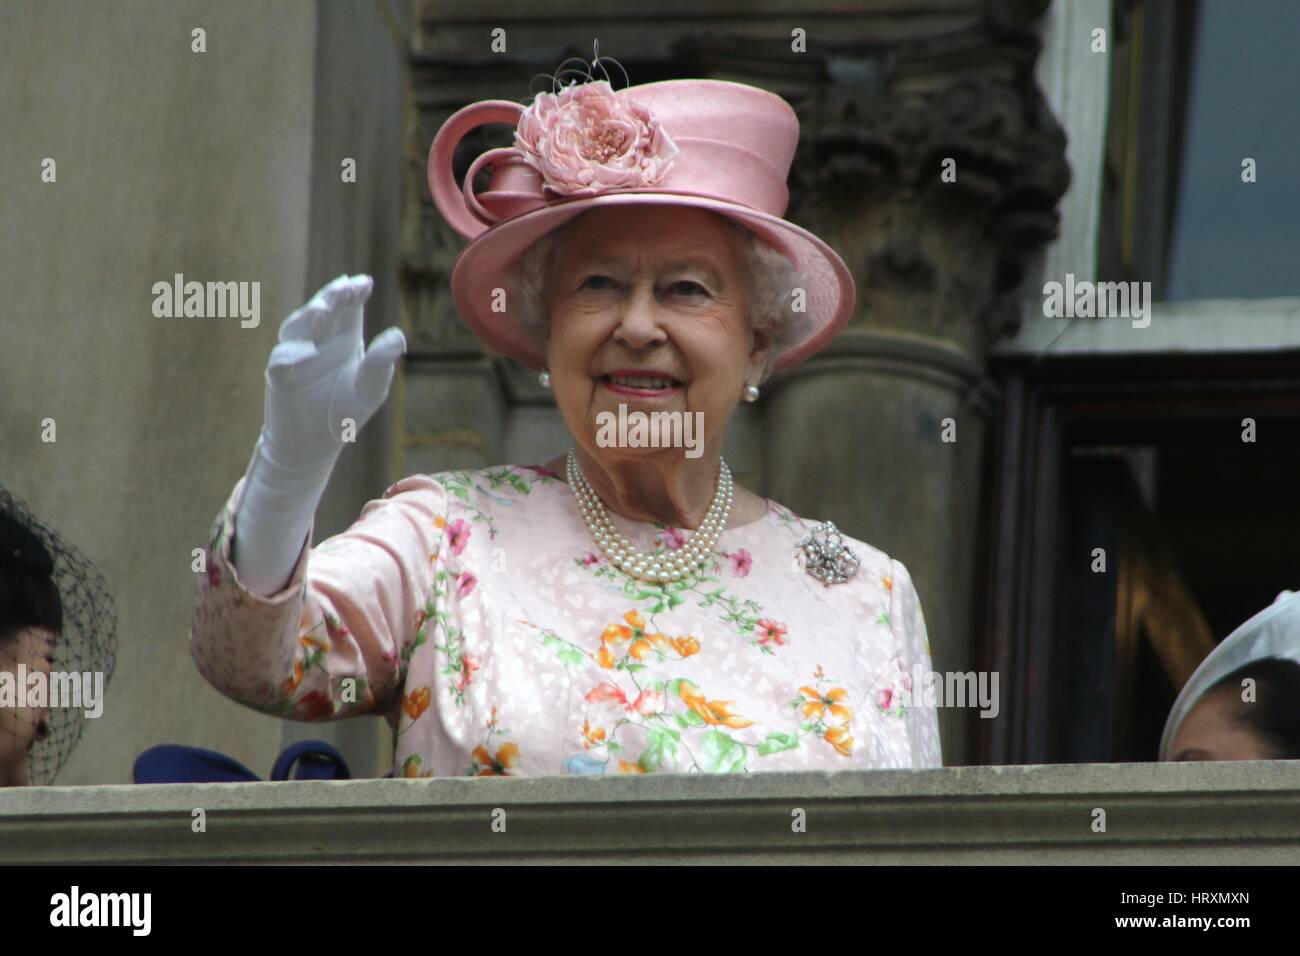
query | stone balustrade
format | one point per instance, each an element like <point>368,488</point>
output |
<point>1222,813</point>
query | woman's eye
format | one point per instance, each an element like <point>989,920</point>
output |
<point>597,282</point>
<point>688,287</point>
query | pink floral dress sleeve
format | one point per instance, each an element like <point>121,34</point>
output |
<point>334,641</point>
<point>913,644</point>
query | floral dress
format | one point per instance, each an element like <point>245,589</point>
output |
<point>473,610</point>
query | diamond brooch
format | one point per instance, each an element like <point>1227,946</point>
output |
<point>825,556</point>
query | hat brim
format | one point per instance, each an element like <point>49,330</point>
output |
<point>482,266</point>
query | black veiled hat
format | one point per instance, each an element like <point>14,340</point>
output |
<point>31,554</point>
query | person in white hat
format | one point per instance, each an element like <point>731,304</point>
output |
<point>1243,702</point>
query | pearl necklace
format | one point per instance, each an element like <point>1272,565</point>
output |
<point>669,567</point>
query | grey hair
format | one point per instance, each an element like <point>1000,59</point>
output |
<point>770,283</point>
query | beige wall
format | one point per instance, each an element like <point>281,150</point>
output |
<point>221,165</point>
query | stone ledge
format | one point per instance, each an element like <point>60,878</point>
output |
<point>1223,813</point>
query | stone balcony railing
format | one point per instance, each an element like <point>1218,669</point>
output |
<point>1153,813</point>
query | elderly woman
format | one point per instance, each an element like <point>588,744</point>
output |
<point>624,607</point>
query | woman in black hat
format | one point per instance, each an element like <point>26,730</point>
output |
<point>56,615</point>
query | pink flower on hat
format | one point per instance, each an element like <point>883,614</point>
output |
<point>586,139</point>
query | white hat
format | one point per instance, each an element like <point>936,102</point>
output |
<point>1273,632</point>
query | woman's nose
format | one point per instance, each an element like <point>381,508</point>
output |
<point>640,324</point>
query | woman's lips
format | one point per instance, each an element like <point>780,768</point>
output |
<point>634,391</point>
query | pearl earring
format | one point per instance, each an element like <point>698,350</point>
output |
<point>544,379</point>
<point>751,393</point>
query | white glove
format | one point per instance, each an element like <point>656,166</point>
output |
<point>319,376</point>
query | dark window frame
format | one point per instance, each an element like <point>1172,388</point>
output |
<point>1043,401</point>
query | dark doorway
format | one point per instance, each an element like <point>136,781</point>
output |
<point>1132,526</point>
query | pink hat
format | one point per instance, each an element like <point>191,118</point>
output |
<point>708,144</point>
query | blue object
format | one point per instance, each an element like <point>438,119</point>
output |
<point>178,763</point>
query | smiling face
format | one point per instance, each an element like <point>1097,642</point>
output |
<point>21,727</point>
<point>648,309</point>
